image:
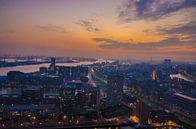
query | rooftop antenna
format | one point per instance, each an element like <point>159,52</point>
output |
<point>151,60</point>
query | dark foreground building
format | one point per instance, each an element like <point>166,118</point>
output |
<point>115,88</point>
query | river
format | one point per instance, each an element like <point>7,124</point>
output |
<point>33,68</point>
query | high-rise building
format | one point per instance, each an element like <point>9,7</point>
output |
<point>154,75</point>
<point>53,61</point>
<point>52,66</point>
<point>115,88</point>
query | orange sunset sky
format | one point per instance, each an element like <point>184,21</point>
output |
<point>125,29</point>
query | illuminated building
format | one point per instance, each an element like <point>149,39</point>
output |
<point>134,118</point>
<point>141,111</point>
<point>154,75</point>
<point>28,112</point>
<point>160,117</point>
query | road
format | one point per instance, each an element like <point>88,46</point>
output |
<point>93,74</point>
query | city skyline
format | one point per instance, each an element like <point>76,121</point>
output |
<point>125,29</point>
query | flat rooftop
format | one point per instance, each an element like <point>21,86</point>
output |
<point>185,97</point>
<point>26,107</point>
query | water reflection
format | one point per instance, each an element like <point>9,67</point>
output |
<point>33,68</point>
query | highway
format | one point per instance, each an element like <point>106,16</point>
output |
<point>93,74</point>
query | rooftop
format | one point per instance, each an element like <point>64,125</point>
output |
<point>26,107</point>
<point>185,96</point>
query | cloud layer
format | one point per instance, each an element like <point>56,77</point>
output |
<point>189,28</point>
<point>152,9</point>
<point>52,28</point>
<point>106,43</point>
<point>88,26</point>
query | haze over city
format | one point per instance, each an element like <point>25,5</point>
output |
<point>97,64</point>
<point>122,29</point>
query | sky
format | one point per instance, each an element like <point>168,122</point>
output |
<point>122,29</point>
